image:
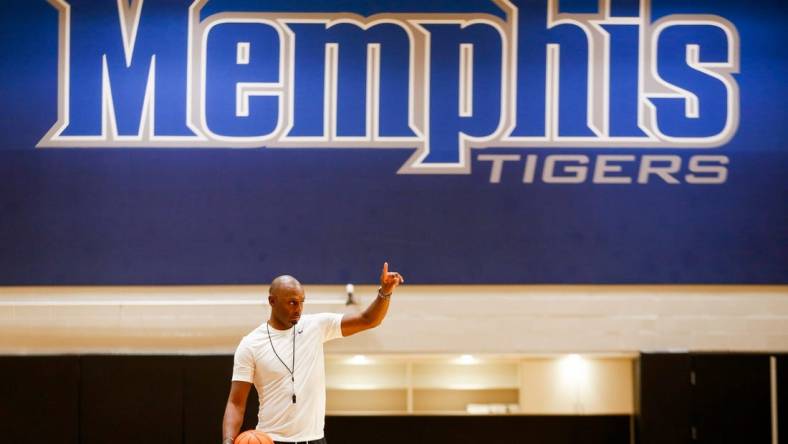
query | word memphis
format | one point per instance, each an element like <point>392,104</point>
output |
<point>159,73</point>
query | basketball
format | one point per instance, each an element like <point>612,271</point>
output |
<point>253,437</point>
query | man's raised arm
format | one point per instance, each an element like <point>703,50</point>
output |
<point>374,314</point>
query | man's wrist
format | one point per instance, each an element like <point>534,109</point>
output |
<point>228,440</point>
<point>384,295</point>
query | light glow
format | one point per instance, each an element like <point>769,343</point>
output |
<point>575,376</point>
<point>359,360</point>
<point>466,360</point>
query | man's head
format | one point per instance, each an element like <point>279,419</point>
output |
<point>287,301</point>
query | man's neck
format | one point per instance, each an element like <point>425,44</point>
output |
<point>278,325</point>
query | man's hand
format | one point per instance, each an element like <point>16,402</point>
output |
<point>389,280</point>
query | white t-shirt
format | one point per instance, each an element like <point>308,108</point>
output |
<point>256,363</point>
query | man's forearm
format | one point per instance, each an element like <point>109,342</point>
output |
<point>231,425</point>
<point>377,310</point>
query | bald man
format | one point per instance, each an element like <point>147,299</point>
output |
<point>283,358</point>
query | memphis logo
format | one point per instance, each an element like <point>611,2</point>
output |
<point>528,74</point>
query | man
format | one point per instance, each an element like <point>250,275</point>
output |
<point>283,358</point>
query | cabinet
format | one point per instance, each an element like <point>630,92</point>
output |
<point>357,386</point>
<point>443,386</point>
<point>457,385</point>
<point>707,398</point>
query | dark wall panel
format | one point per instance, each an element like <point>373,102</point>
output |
<point>707,398</point>
<point>478,429</point>
<point>731,399</point>
<point>206,385</point>
<point>131,399</point>
<point>782,397</point>
<point>168,399</point>
<point>39,397</point>
<point>664,398</point>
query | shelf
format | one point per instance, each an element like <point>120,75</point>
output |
<point>379,400</point>
<point>458,400</point>
<point>340,374</point>
<point>451,385</point>
<point>487,376</point>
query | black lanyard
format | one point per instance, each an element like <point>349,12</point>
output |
<point>292,372</point>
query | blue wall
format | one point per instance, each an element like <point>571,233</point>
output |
<point>236,199</point>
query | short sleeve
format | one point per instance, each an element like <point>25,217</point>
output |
<point>330,325</point>
<point>243,363</point>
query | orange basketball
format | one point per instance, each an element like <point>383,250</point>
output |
<point>253,437</point>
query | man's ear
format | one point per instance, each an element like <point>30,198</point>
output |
<point>271,299</point>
